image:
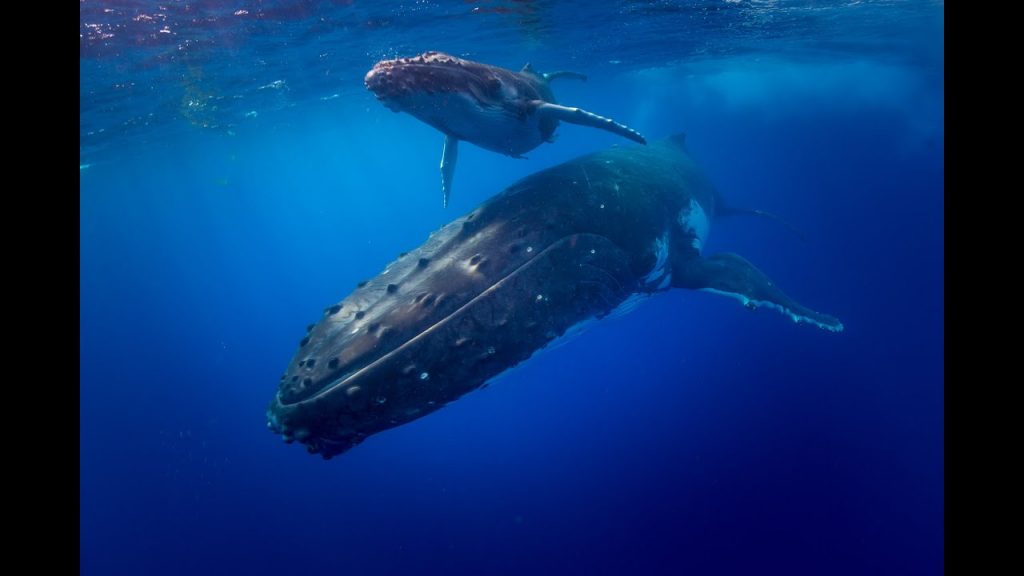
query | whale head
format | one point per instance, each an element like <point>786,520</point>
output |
<point>467,100</point>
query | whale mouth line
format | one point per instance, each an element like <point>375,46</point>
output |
<point>340,382</point>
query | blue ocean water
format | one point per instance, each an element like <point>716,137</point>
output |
<point>236,178</point>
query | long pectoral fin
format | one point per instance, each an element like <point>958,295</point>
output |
<point>449,155</point>
<point>584,118</point>
<point>731,275</point>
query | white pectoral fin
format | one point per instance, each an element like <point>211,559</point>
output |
<point>449,155</point>
<point>584,118</point>
<point>731,275</point>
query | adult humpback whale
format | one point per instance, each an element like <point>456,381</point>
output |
<point>496,109</point>
<point>565,245</point>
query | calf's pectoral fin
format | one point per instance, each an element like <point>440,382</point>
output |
<point>584,118</point>
<point>449,155</point>
<point>731,275</point>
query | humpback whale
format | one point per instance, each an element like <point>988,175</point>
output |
<point>496,109</point>
<point>559,248</point>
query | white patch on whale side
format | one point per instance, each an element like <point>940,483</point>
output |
<point>660,271</point>
<point>694,220</point>
<point>795,317</point>
<point>659,278</point>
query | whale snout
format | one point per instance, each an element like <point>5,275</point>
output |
<point>386,85</point>
<point>375,78</point>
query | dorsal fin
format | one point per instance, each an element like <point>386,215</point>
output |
<point>528,68</point>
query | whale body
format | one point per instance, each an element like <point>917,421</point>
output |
<point>555,250</point>
<point>497,109</point>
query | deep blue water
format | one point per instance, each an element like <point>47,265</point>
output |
<point>236,178</point>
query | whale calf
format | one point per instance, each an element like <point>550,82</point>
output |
<point>495,108</point>
<point>559,248</point>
